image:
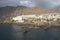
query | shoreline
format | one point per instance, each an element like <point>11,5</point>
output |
<point>29,25</point>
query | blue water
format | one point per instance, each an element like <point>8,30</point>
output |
<point>13,32</point>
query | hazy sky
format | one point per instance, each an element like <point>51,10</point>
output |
<point>31,3</point>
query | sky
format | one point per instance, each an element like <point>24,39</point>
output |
<point>31,3</point>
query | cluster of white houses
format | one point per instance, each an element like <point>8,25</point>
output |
<point>42,17</point>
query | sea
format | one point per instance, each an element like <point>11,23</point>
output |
<point>16,32</point>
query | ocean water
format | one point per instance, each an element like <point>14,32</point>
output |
<point>15,32</point>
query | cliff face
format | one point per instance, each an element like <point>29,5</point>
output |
<point>7,12</point>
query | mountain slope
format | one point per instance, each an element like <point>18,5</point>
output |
<point>9,12</point>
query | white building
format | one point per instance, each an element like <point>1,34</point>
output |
<point>18,19</point>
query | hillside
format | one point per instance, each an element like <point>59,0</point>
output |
<point>9,12</point>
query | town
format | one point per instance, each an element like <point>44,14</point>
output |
<point>36,18</point>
